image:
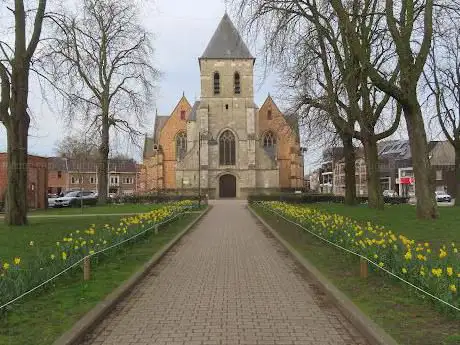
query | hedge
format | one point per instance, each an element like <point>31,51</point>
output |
<point>314,198</point>
<point>151,198</point>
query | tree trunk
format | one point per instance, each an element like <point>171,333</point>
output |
<point>457,174</point>
<point>103,164</point>
<point>424,187</point>
<point>16,195</point>
<point>374,189</point>
<point>350,178</point>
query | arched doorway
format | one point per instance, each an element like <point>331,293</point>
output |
<point>227,186</point>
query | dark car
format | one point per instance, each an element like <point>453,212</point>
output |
<point>75,199</point>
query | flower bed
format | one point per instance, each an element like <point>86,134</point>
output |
<point>437,271</point>
<point>16,278</point>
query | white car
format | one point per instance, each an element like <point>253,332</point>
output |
<point>390,193</point>
<point>442,196</point>
<point>76,198</point>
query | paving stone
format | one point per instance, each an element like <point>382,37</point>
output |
<point>226,282</point>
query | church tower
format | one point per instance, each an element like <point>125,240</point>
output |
<point>227,114</point>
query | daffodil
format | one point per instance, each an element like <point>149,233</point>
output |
<point>31,243</point>
<point>453,288</point>
<point>6,265</point>
<point>404,270</point>
<point>450,271</point>
<point>17,261</point>
<point>64,256</point>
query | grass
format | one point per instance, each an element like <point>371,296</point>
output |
<point>43,317</point>
<point>106,209</point>
<point>402,220</point>
<point>409,318</point>
<point>44,232</point>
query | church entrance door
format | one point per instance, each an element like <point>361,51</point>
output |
<point>227,186</point>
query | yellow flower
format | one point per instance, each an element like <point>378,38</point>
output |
<point>31,243</point>
<point>52,256</point>
<point>450,271</point>
<point>427,244</point>
<point>64,256</point>
<point>376,256</point>
<point>408,255</point>
<point>17,261</point>
<point>381,264</point>
<point>437,272</point>
<point>453,288</point>
<point>404,270</point>
<point>442,253</point>
<point>455,250</point>
<point>91,252</point>
<point>6,265</point>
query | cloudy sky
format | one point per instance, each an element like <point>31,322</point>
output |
<point>182,30</point>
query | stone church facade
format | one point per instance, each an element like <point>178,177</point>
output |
<point>223,145</point>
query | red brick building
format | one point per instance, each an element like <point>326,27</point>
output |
<point>37,184</point>
<point>66,174</point>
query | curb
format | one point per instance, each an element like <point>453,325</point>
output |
<point>368,328</point>
<point>91,319</point>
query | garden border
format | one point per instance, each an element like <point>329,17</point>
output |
<point>92,318</point>
<point>368,328</point>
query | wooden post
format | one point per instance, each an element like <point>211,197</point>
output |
<point>363,268</point>
<point>86,268</point>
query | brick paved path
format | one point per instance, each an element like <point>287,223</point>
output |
<point>225,283</point>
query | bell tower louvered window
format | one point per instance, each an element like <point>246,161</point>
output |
<point>237,83</point>
<point>216,83</point>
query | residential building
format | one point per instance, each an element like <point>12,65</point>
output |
<point>66,174</point>
<point>37,180</point>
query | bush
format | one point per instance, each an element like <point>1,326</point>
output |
<point>151,198</point>
<point>314,198</point>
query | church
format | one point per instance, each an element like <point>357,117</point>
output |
<point>223,145</point>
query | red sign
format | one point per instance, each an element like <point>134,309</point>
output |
<point>407,180</point>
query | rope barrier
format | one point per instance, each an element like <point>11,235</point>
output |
<point>87,257</point>
<point>362,257</point>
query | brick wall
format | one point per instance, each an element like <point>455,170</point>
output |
<point>290,171</point>
<point>167,141</point>
<point>37,180</point>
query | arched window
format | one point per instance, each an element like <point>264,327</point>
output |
<point>181,145</point>
<point>216,83</point>
<point>269,143</point>
<point>227,148</point>
<point>237,84</point>
<point>269,139</point>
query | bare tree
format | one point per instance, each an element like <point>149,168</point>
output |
<point>442,76</point>
<point>100,61</point>
<point>15,61</point>
<point>318,60</point>
<point>410,24</point>
<point>77,147</point>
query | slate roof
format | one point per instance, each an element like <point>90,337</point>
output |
<point>160,122</point>
<point>148,147</point>
<point>226,43</point>
<point>89,165</point>
<point>192,115</point>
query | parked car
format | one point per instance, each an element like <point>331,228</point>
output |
<point>75,199</point>
<point>442,196</point>
<point>52,200</point>
<point>390,193</point>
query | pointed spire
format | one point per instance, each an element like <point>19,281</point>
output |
<point>183,93</point>
<point>226,43</point>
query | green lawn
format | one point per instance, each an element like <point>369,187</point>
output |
<point>402,220</point>
<point>410,319</point>
<point>106,209</point>
<point>45,231</point>
<point>40,318</point>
